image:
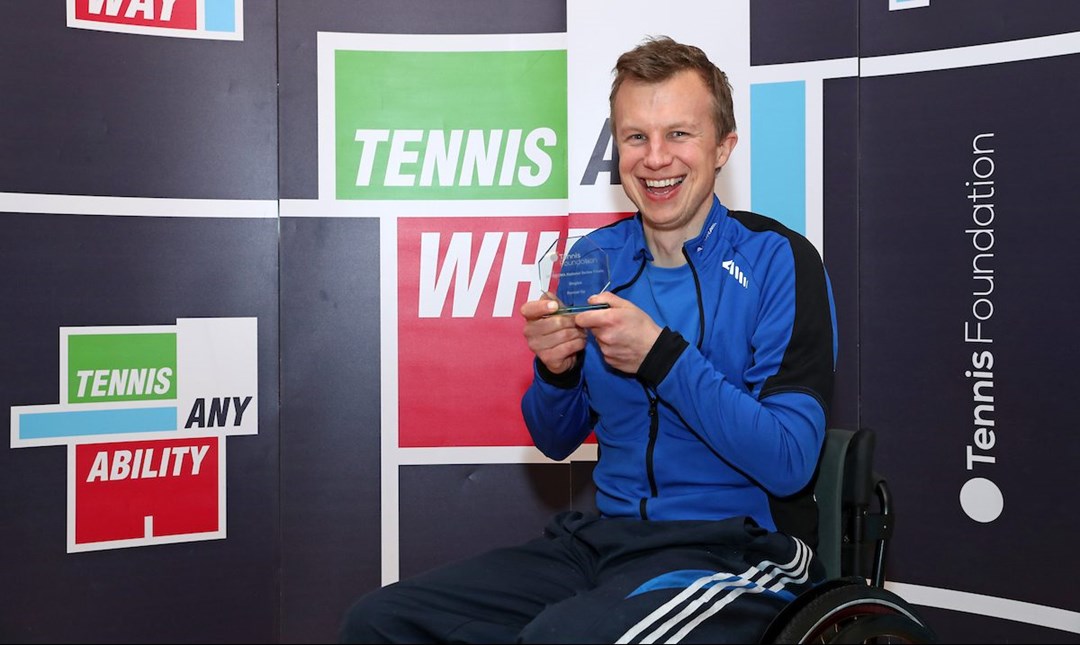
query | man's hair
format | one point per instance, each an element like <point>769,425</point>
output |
<point>658,58</point>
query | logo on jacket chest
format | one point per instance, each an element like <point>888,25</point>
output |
<point>736,273</point>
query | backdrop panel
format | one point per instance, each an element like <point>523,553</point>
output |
<point>330,421</point>
<point>89,271</point>
<point>794,31</point>
<point>962,627</point>
<point>925,146</point>
<point>841,249</point>
<point>461,510</point>
<point>967,263</point>
<point>101,113</point>
<point>341,257</point>
<point>943,24</point>
<point>301,20</point>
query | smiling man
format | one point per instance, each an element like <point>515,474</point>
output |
<point>672,139</point>
<point>706,380</point>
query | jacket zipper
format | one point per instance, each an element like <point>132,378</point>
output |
<point>700,300</point>
<point>654,414</point>
<point>654,430</point>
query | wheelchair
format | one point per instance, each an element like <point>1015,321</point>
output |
<point>852,606</point>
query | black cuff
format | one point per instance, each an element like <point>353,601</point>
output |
<point>566,380</point>
<point>667,349</point>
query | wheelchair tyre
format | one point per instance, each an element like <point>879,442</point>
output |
<point>855,613</point>
<point>883,628</point>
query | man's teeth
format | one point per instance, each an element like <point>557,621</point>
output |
<point>663,183</point>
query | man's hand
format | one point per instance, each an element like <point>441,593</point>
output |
<point>624,332</point>
<point>555,340</point>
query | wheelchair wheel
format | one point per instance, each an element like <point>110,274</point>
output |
<point>883,628</point>
<point>850,612</point>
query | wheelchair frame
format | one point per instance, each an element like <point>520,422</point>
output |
<point>852,606</point>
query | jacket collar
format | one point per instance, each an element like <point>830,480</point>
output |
<point>698,247</point>
<point>709,238</point>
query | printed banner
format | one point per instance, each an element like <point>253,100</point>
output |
<point>144,411</point>
<point>463,362</point>
<point>447,121</point>
<point>212,19</point>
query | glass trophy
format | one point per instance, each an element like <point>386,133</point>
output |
<point>573,269</point>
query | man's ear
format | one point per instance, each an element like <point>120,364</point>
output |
<point>724,148</point>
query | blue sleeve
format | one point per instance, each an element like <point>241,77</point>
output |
<point>556,411</point>
<point>774,441</point>
<point>768,421</point>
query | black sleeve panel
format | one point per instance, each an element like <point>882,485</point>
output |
<point>667,349</point>
<point>566,380</point>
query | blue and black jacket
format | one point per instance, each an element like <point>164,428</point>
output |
<point>721,420</point>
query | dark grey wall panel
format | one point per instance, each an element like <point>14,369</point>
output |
<point>330,420</point>
<point>451,512</point>
<point>960,23</point>
<point>918,260</point>
<point>74,270</point>
<point>959,627</point>
<point>841,246</point>
<point>792,31</point>
<point>582,488</point>
<point>102,113</point>
<point>301,20</point>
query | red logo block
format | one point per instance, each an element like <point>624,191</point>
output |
<point>174,14</point>
<point>463,362</point>
<point>146,489</point>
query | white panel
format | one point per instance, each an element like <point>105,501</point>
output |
<point>218,358</point>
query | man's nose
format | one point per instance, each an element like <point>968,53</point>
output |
<point>658,154</point>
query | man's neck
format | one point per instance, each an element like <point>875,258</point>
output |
<point>667,247</point>
<point>666,244</point>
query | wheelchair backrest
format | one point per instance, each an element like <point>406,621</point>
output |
<point>851,535</point>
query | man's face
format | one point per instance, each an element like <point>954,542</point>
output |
<point>668,150</point>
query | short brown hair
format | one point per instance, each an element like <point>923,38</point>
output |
<point>658,58</point>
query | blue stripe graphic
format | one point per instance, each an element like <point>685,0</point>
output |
<point>80,423</point>
<point>680,580</point>
<point>778,152</point>
<point>220,15</point>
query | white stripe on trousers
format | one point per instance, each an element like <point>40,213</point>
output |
<point>754,580</point>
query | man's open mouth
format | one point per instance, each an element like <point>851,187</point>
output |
<point>663,186</point>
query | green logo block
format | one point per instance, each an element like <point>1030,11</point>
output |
<point>121,367</point>
<point>450,125</point>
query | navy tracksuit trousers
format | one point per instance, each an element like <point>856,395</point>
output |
<point>599,580</point>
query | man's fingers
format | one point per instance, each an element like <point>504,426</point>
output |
<point>608,298</point>
<point>560,337</point>
<point>535,309</point>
